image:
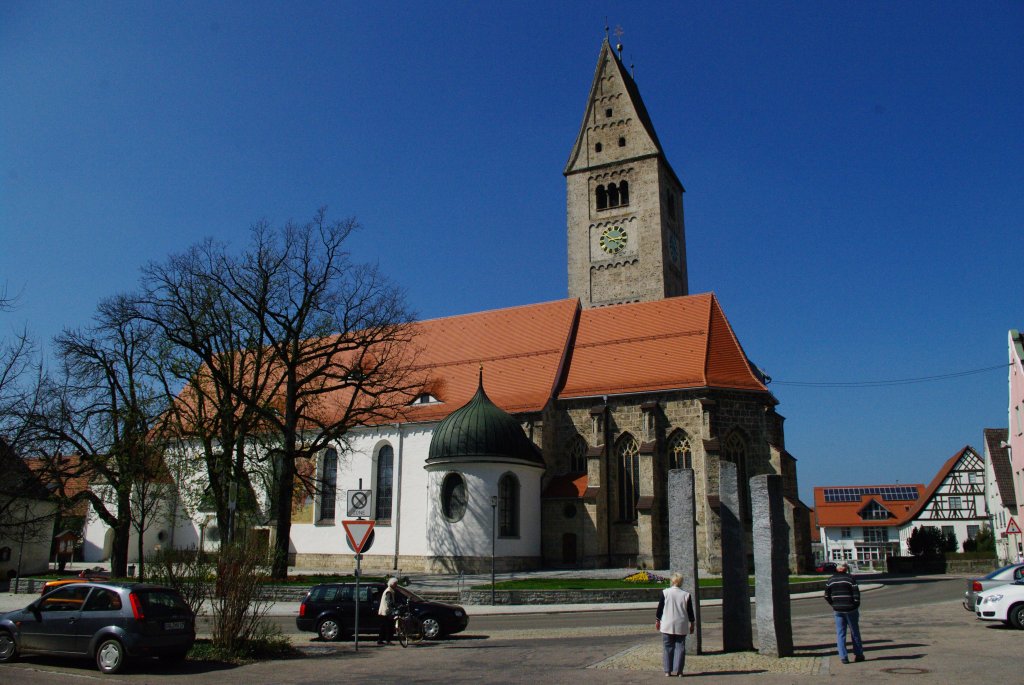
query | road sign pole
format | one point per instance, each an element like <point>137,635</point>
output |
<point>359,558</point>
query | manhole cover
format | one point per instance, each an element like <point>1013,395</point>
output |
<point>906,670</point>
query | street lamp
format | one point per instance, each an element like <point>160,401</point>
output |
<point>494,508</point>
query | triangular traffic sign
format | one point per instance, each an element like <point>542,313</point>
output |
<point>358,533</point>
<point>1012,528</point>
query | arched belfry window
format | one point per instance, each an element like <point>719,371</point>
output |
<point>613,195</point>
<point>624,192</point>
<point>577,454</point>
<point>735,450</point>
<point>385,482</point>
<point>508,506</point>
<point>628,454</point>
<point>602,197</point>
<point>680,454</point>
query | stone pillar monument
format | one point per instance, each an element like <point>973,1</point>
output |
<point>682,542</point>
<point>771,566</point>
<point>736,632</point>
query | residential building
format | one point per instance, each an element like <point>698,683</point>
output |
<point>1015,411</point>
<point>866,523</point>
<point>1000,496</point>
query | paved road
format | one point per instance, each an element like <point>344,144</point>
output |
<point>914,630</point>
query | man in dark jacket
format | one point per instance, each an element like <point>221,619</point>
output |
<point>843,595</point>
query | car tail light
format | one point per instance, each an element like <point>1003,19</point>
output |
<point>302,609</point>
<point>976,586</point>
<point>136,607</point>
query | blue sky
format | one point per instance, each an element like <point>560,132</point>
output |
<point>853,173</point>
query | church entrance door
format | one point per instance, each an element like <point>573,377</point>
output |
<point>569,548</point>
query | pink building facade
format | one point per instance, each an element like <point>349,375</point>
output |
<point>1016,414</point>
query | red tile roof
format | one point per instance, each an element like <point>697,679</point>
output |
<point>679,342</point>
<point>832,514</point>
<point>999,455</point>
<point>535,353</point>
<point>571,485</point>
<point>521,350</point>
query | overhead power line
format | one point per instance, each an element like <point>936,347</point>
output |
<point>897,381</point>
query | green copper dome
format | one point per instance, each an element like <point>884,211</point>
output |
<point>481,431</point>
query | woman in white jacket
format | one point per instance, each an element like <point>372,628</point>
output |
<point>675,621</point>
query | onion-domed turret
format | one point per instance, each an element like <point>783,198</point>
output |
<point>481,432</point>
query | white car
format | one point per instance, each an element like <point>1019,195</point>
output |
<point>1004,603</point>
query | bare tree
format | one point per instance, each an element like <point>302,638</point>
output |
<point>338,337</point>
<point>218,374</point>
<point>101,405</point>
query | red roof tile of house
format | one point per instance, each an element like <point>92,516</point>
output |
<point>847,513</point>
<point>832,514</point>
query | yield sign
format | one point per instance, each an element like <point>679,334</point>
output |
<point>1012,528</point>
<point>358,533</point>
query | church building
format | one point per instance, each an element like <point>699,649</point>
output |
<point>546,432</point>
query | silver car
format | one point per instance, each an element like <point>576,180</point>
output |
<point>1001,576</point>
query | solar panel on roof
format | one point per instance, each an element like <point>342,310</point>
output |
<point>890,493</point>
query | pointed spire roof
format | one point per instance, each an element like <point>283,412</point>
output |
<point>612,79</point>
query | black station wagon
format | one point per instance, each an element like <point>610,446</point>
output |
<point>108,622</point>
<point>329,610</point>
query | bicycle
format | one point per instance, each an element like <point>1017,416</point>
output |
<point>408,628</point>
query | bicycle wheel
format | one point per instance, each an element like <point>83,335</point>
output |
<point>400,635</point>
<point>413,629</point>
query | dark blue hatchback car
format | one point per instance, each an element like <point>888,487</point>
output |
<point>108,622</point>
<point>330,610</point>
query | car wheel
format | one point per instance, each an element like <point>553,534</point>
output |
<point>110,656</point>
<point>329,630</point>
<point>1016,616</point>
<point>431,628</point>
<point>8,648</point>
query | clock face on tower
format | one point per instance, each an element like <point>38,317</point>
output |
<point>613,240</point>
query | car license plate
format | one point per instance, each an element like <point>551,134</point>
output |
<point>174,625</point>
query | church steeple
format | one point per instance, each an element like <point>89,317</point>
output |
<point>624,202</point>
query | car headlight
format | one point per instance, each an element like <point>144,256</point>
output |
<point>991,599</point>
<point>458,613</point>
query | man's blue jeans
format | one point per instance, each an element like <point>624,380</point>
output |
<point>849,619</point>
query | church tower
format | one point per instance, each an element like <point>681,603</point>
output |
<point>627,241</point>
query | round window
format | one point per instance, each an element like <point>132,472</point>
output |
<point>569,511</point>
<point>453,497</point>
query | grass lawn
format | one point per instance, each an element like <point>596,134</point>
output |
<point>602,583</point>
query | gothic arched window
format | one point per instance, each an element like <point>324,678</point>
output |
<point>385,482</point>
<point>508,506</point>
<point>577,454</point>
<point>735,450</point>
<point>680,454</point>
<point>328,484</point>
<point>602,198</point>
<point>624,193</point>
<point>613,195</point>
<point>628,453</point>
